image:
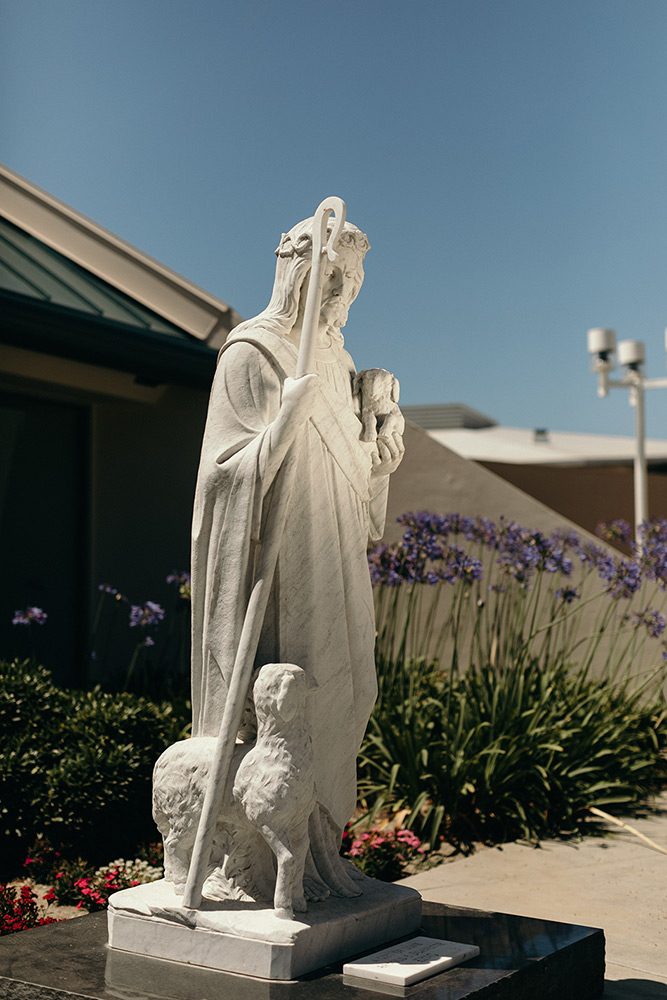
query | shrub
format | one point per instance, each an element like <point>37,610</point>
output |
<point>94,891</point>
<point>76,766</point>
<point>19,910</point>
<point>501,753</point>
<point>77,883</point>
<point>382,853</point>
<point>43,862</point>
<point>64,881</point>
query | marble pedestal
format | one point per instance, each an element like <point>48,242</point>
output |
<point>248,939</point>
<point>521,958</point>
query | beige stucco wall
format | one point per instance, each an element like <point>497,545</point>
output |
<point>433,478</point>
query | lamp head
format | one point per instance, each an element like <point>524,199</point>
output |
<point>631,354</point>
<point>601,346</point>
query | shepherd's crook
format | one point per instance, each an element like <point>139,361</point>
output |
<point>252,623</point>
<point>306,362</point>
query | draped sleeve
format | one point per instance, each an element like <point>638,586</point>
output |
<point>235,473</point>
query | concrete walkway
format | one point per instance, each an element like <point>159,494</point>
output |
<point>618,883</point>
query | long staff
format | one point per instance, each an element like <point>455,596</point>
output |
<point>259,597</point>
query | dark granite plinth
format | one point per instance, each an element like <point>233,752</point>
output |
<point>521,958</point>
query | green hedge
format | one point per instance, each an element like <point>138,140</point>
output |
<point>75,766</point>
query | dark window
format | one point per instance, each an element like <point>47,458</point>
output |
<point>43,531</point>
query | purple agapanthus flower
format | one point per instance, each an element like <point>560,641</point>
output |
<point>614,531</point>
<point>653,621</point>
<point>460,566</point>
<point>145,615</point>
<point>651,551</point>
<point>106,588</point>
<point>35,615</point>
<point>427,555</point>
<point>566,540</point>
<point>568,594</point>
<point>624,581</point>
<point>384,562</point>
<point>597,557</point>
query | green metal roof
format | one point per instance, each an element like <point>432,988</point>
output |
<point>50,303</point>
<point>29,267</point>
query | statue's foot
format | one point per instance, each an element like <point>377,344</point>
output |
<point>342,880</point>
<point>314,890</point>
<point>284,912</point>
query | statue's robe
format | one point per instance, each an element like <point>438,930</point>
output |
<point>320,614</point>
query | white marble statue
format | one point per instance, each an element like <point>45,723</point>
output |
<point>320,615</point>
<point>292,484</point>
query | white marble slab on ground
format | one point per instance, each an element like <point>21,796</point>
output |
<point>249,939</point>
<point>411,961</point>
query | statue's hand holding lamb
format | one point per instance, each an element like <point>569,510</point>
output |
<point>389,454</point>
<point>381,418</point>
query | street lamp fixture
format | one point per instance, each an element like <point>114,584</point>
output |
<point>631,355</point>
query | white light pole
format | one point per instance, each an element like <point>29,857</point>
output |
<point>601,347</point>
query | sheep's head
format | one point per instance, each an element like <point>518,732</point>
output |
<point>280,689</point>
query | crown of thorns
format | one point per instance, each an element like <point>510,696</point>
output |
<point>352,238</point>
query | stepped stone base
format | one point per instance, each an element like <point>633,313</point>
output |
<point>520,958</point>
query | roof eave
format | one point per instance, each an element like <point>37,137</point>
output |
<point>164,291</point>
<point>153,358</point>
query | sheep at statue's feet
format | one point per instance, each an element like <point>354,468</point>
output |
<point>273,795</point>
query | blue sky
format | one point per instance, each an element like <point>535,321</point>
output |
<point>507,159</point>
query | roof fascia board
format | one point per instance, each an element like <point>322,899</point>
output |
<point>152,357</point>
<point>21,370</point>
<point>63,229</point>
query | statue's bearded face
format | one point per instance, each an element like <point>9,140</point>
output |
<point>341,282</point>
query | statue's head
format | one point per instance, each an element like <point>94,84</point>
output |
<point>341,278</point>
<point>294,253</point>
